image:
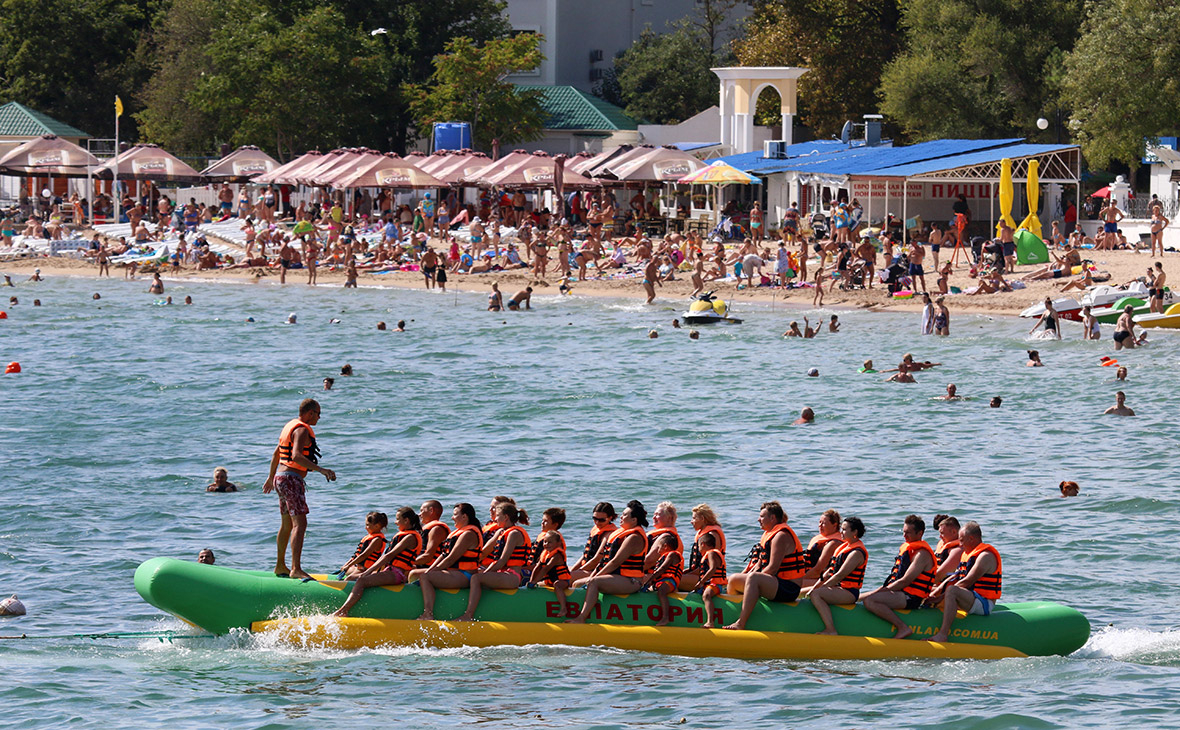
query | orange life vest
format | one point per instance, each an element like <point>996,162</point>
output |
<point>655,534</point>
<point>794,563</point>
<point>405,559</point>
<point>489,533</point>
<point>943,551</point>
<point>469,560</point>
<point>989,585</point>
<point>694,556</point>
<point>673,570</point>
<point>816,548</point>
<point>597,535</point>
<point>365,544</point>
<point>632,567</point>
<point>287,443</point>
<point>856,578</point>
<point>520,554</point>
<point>539,546</point>
<point>906,555</point>
<point>558,572</point>
<point>426,535</point>
<point>718,578</point>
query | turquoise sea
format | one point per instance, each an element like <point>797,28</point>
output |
<point>124,409</point>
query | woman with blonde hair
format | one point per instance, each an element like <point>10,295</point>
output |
<point>704,521</point>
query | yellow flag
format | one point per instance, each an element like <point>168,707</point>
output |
<point>118,107</point>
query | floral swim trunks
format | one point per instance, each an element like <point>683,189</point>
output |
<point>291,493</point>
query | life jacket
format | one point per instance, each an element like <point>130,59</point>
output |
<point>425,531</point>
<point>405,559</point>
<point>632,567</point>
<point>794,563</point>
<point>469,560</point>
<point>558,572</point>
<point>718,578</point>
<point>657,532</point>
<point>520,554</point>
<point>694,555</point>
<point>597,535</point>
<point>287,442</point>
<point>943,551</point>
<point>816,549</point>
<point>989,585</point>
<point>489,533</point>
<point>539,547</point>
<point>379,538</point>
<point>906,554</point>
<point>673,570</point>
<point>856,578</point>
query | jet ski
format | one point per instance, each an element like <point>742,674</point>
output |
<point>708,309</point>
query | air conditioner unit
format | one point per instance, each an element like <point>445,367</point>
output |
<point>596,74</point>
<point>596,55</point>
<point>774,149</point>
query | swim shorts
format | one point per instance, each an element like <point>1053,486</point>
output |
<point>291,490</point>
<point>1110,227</point>
<point>916,270</point>
<point>913,602</point>
<point>655,587</point>
<point>1121,335</point>
<point>1009,248</point>
<point>788,591</point>
<point>982,606</point>
<point>936,247</point>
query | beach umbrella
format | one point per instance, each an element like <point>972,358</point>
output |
<point>1102,192</point>
<point>483,176</point>
<point>1032,223</point>
<point>719,174</point>
<point>386,171</point>
<point>598,169</point>
<point>148,162</point>
<point>279,174</point>
<point>532,172</point>
<point>336,162</point>
<point>48,155</point>
<point>585,164</point>
<point>432,162</point>
<point>459,166</point>
<point>240,165</point>
<point>661,165</point>
<point>1006,194</point>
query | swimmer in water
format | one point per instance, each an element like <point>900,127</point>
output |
<point>911,366</point>
<point>207,557</point>
<point>157,286</point>
<point>808,331</point>
<point>676,324</point>
<point>328,383</point>
<point>805,416</point>
<point>996,402</point>
<point>346,369</point>
<point>401,326</point>
<point>653,335</point>
<point>793,331</point>
<point>381,326</point>
<point>1120,374</point>
<point>834,324</point>
<point>1034,359</point>
<point>694,335</point>
<point>188,300</point>
<point>901,376</point>
<point>950,393</point>
<point>867,367</point>
<point>221,482</point>
<point>1069,489</point>
<point>1120,406</point>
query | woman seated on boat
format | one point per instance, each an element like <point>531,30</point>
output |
<point>509,555</point>
<point>822,547</point>
<point>492,526</point>
<point>604,524</point>
<point>776,566</point>
<point>704,521</point>
<point>456,562</point>
<point>842,581</point>
<point>620,570</point>
<point>393,567</point>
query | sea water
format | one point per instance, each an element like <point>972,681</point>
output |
<point>125,407</point>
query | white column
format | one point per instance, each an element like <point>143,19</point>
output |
<point>743,133</point>
<point>788,127</point>
<point>726,110</point>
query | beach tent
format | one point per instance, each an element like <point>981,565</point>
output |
<point>47,156</point>
<point>241,165</point>
<point>386,171</point>
<point>1030,248</point>
<point>459,166</point>
<point>147,162</point>
<point>535,171</point>
<point>280,173</point>
<point>661,165</point>
<point>324,176</point>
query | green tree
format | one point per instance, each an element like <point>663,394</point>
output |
<point>468,84</point>
<point>843,43</point>
<point>69,58</point>
<point>1122,78</point>
<point>665,79</point>
<point>978,68</point>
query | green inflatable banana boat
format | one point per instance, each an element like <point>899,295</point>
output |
<point>221,599</point>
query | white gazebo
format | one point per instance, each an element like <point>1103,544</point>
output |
<point>740,87</point>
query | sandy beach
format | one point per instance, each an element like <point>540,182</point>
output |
<point>1123,266</point>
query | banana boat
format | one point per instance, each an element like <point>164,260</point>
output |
<point>219,600</point>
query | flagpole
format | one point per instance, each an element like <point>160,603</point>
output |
<point>116,201</point>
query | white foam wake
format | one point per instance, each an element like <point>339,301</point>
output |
<point>1141,646</point>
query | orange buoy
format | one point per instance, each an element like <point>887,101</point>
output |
<point>13,367</point>
<point>3,315</point>
<point>1110,362</point>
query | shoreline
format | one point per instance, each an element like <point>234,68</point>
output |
<point>1122,265</point>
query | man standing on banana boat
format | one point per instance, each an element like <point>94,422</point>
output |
<point>296,454</point>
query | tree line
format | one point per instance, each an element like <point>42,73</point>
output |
<point>291,75</point>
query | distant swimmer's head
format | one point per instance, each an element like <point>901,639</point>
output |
<point>653,335</point>
<point>291,318</point>
<point>207,557</point>
<point>813,373</point>
<point>1120,374</point>
<point>694,335</point>
<point>188,300</point>
<point>996,402</point>
<point>867,366</point>
<point>328,383</point>
<point>346,369</point>
<point>1069,489</point>
<point>96,296</point>
<point>807,415</point>
<point>950,390</point>
<point>381,326</point>
<point>401,325</point>
<point>676,324</point>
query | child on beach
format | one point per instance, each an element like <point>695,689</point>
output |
<point>665,577</point>
<point>713,579</point>
<point>371,545</point>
